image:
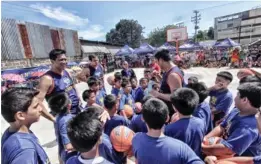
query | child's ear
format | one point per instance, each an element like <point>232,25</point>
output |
<point>167,120</point>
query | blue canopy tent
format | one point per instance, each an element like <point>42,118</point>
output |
<point>71,64</point>
<point>168,47</point>
<point>126,50</point>
<point>144,49</point>
<point>207,43</point>
<point>190,46</point>
<point>227,43</point>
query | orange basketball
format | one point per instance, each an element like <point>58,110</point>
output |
<point>121,138</point>
<point>128,110</point>
<point>138,107</point>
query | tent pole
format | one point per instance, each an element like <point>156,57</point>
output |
<point>177,46</point>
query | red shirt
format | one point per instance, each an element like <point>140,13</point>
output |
<point>155,66</point>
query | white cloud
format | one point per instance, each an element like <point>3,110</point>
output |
<point>60,14</point>
<point>94,32</point>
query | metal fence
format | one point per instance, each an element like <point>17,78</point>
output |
<point>30,40</point>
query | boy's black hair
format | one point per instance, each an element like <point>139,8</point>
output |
<point>194,79</point>
<point>117,76</point>
<point>155,113</point>
<point>91,56</point>
<point>86,94</point>
<point>59,102</point>
<point>110,101</point>
<point>124,78</point>
<point>124,83</point>
<point>250,79</point>
<point>201,89</point>
<point>155,85</point>
<point>147,70</point>
<point>252,91</point>
<point>163,54</point>
<point>55,53</point>
<point>184,100</point>
<point>84,131</point>
<point>146,98</point>
<point>143,79</point>
<point>15,100</point>
<point>92,81</point>
<point>226,75</point>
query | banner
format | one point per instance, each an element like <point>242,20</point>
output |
<point>26,72</point>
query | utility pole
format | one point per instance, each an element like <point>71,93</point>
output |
<point>196,20</point>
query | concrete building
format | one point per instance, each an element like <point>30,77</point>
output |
<point>243,27</point>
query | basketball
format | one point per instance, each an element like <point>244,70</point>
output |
<point>138,107</point>
<point>128,111</point>
<point>212,141</point>
<point>121,138</point>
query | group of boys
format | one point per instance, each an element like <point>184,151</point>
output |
<point>197,130</point>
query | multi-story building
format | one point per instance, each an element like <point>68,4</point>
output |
<point>243,27</point>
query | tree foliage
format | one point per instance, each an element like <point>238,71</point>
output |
<point>126,32</point>
<point>158,36</point>
<point>205,35</point>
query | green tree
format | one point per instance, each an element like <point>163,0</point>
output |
<point>202,35</point>
<point>126,32</point>
<point>158,36</point>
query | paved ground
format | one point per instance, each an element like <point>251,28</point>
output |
<point>44,129</point>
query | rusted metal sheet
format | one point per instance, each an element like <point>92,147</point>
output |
<point>40,39</point>
<point>11,40</point>
<point>62,41</point>
<point>69,42</point>
<point>25,41</point>
<point>77,44</point>
<point>55,39</point>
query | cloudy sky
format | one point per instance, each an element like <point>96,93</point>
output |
<point>93,20</point>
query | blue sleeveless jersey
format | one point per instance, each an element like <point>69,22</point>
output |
<point>164,88</point>
<point>63,83</point>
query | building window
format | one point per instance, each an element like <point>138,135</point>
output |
<point>229,25</point>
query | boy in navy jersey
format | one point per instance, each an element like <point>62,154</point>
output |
<point>93,84</point>
<point>140,92</point>
<point>154,147</point>
<point>21,108</point>
<point>111,105</point>
<point>85,134</point>
<point>61,104</point>
<point>89,97</point>
<point>116,89</point>
<point>126,97</point>
<point>239,129</point>
<point>134,87</point>
<point>202,111</point>
<point>188,128</point>
<point>137,124</point>
<point>220,97</point>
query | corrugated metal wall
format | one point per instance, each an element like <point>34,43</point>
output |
<point>56,39</point>
<point>11,42</point>
<point>77,44</point>
<point>69,42</point>
<point>29,40</point>
<point>40,39</point>
<point>25,41</point>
